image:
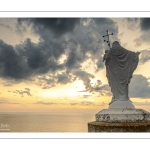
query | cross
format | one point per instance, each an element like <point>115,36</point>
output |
<point>108,38</point>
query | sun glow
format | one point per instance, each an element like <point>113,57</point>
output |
<point>69,90</point>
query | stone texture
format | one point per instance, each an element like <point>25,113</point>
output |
<point>123,115</point>
<point>118,127</point>
<point>121,119</point>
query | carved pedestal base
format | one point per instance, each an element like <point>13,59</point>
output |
<point>118,127</point>
<point>121,120</point>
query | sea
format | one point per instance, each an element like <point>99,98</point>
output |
<point>44,122</point>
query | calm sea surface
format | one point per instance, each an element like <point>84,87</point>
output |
<point>36,122</point>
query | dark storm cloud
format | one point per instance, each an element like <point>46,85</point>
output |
<point>41,57</point>
<point>28,59</point>
<point>85,38</point>
<point>89,38</point>
<point>36,60</point>
<point>58,26</point>
<point>63,78</point>
<point>145,35</point>
<point>139,87</point>
<point>72,61</point>
<point>145,23</point>
<point>106,24</point>
<point>77,39</point>
<point>11,63</point>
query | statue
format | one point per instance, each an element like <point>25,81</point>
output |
<point>120,65</point>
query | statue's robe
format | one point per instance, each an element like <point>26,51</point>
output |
<point>120,65</point>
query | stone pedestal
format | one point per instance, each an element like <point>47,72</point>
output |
<point>121,116</point>
<point>118,127</point>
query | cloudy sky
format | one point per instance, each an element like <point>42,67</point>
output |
<point>55,64</point>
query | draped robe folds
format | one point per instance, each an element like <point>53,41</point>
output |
<point>120,65</point>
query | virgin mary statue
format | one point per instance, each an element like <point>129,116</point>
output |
<point>120,65</point>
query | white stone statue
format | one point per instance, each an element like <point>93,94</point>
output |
<point>120,65</point>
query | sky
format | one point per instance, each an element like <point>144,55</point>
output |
<point>55,64</point>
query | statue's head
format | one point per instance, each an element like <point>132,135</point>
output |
<point>117,49</point>
<point>116,43</point>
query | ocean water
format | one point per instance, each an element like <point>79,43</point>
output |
<point>36,122</point>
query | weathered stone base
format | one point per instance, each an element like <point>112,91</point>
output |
<point>122,115</point>
<point>118,127</point>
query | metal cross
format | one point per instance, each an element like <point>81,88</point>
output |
<point>108,38</point>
